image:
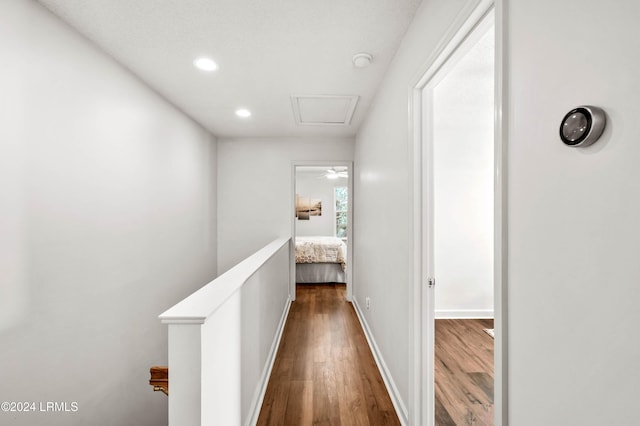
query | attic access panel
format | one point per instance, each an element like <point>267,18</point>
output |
<point>323,110</point>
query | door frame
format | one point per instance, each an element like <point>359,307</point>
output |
<point>350,257</point>
<point>422,393</point>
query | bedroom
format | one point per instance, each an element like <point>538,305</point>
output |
<point>322,224</point>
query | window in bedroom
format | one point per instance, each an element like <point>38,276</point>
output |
<point>342,202</point>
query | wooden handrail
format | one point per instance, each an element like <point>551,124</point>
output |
<point>160,379</point>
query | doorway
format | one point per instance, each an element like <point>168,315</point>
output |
<point>322,224</point>
<point>458,192</point>
<point>462,146</point>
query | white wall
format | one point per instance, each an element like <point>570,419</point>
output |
<point>255,189</point>
<point>463,179</point>
<point>309,185</point>
<point>108,218</point>
<point>383,233</point>
<point>574,237</point>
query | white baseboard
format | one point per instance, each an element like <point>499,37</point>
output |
<point>258,399</point>
<point>398,404</point>
<point>464,314</point>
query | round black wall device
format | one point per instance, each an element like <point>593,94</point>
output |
<point>582,126</point>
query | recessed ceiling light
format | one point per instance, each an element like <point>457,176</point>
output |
<point>242,112</point>
<point>205,64</point>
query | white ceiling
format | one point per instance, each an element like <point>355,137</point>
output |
<point>267,51</point>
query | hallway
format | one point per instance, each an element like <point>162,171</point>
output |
<point>324,372</point>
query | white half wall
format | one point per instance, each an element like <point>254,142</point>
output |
<point>107,195</point>
<point>574,239</point>
<point>255,189</point>
<point>383,230</point>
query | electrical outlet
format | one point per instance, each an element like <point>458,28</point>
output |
<point>368,302</point>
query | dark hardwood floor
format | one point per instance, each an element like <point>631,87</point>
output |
<point>324,373</point>
<point>463,372</point>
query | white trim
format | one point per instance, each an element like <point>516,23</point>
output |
<point>292,246</point>
<point>501,277</point>
<point>258,399</point>
<point>392,389</point>
<point>421,389</point>
<point>464,314</point>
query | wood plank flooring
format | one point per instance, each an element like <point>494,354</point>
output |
<point>463,372</point>
<point>324,373</point>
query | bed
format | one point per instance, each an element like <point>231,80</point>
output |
<point>320,260</point>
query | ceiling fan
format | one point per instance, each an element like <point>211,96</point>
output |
<point>332,173</point>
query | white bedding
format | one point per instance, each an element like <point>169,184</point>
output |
<point>321,250</point>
